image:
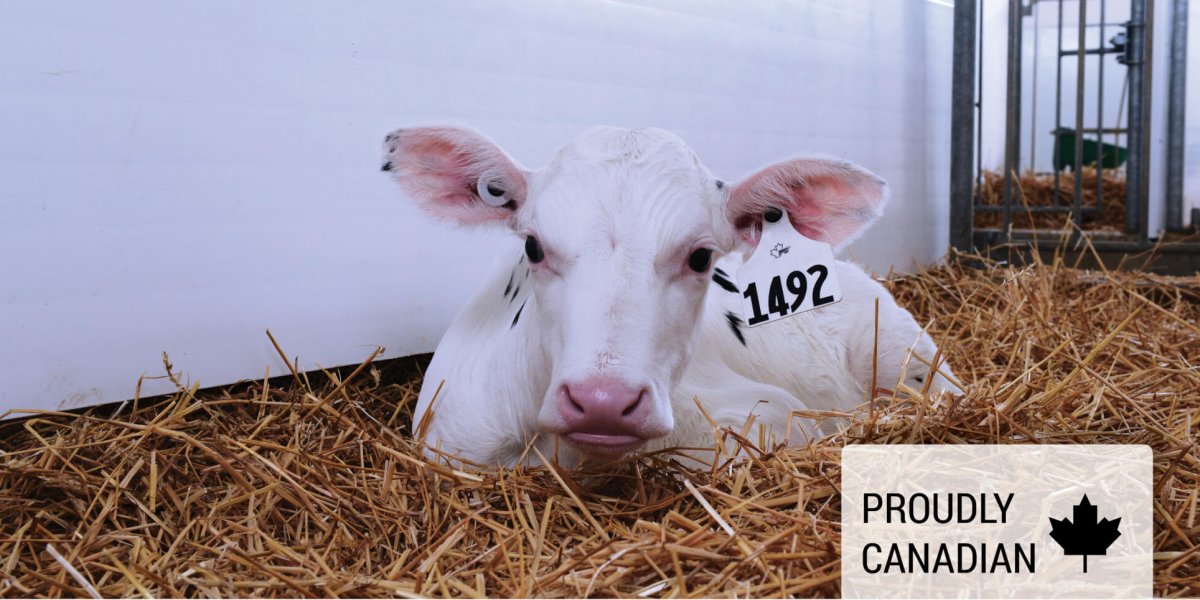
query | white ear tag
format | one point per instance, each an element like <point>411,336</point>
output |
<point>486,188</point>
<point>786,275</point>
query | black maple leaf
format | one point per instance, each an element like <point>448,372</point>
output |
<point>1085,536</point>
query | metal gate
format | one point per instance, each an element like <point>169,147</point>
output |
<point>1113,151</point>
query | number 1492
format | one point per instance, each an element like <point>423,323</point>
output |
<point>787,294</point>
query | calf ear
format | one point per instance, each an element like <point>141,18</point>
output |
<point>455,174</point>
<point>827,199</point>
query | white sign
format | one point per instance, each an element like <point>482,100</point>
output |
<point>1004,521</point>
<point>788,274</point>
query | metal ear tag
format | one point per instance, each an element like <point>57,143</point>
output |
<point>787,273</point>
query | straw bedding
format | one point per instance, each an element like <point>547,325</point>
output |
<point>1037,189</point>
<point>309,485</point>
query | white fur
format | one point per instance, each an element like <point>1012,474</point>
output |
<point>617,213</point>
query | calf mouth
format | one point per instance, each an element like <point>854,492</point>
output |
<point>604,444</point>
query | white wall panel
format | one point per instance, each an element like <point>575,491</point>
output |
<point>178,177</point>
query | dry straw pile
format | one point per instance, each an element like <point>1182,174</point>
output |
<point>1037,189</point>
<point>310,486</point>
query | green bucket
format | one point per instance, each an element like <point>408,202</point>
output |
<point>1064,151</point>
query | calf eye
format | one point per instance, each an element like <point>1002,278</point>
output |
<point>533,250</point>
<point>700,259</point>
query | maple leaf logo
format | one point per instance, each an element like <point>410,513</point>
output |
<point>780,250</point>
<point>1085,536</point>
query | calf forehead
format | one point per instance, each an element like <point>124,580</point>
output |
<point>628,147</point>
<point>614,176</point>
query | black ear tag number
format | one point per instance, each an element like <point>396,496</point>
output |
<point>751,294</point>
<point>818,299</point>
<point>786,275</point>
<point>798,285</point>
<point>777,300</point>
<point>776,303</point>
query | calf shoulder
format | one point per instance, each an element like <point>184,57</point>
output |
<point>824,358</point>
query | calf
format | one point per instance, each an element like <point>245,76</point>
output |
<point>607,318</point>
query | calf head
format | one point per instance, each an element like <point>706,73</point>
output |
<point>620,233</point>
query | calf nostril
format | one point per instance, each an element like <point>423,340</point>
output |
<point>566,390</point>
<point>632,407</point>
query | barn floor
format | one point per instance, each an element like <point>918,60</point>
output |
<point>308,487</point>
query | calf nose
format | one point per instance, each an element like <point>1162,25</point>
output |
<point>603,406</point>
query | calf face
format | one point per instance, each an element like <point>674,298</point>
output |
<point>620,233</point>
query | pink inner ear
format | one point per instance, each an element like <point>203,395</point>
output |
<point>440,166</point>
<point>811,212</point>
<point>827,200</point>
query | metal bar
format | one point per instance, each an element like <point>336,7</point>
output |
<point>1176,110</point>
<point>1100,118</point>
<point>1134,60</point>
<point>1058,107</point>
<point>1012,131</point>
<point>1096,130</point>
<point>962,126</point>
<point>1181,258</point>
<point>979,102</point>
<point>1121,112</point>
<point>1066,53</point>
<point>1147,69</point>
<point>1101,244</point>
<point>1033,103</point>
<point>1080,78</point>
<point>994,208</point>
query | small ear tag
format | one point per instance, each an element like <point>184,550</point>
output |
<point>490,192</point>
<point>786,275</point>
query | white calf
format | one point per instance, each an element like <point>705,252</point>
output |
<point>603,329</point>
